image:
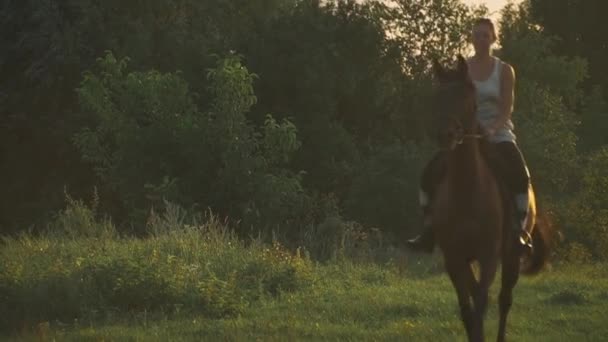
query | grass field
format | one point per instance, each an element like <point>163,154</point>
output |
<point>556,309</point>
<point>202,283</point>
<point>350,302</point>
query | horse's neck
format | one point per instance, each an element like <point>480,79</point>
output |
<point>464,166</point>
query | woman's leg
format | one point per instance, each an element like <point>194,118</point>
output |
<point>431,175</point>
<point>517,177</point>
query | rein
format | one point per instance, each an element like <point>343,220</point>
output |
<point>460,141</point>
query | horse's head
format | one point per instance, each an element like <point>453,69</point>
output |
<point>454,104</point>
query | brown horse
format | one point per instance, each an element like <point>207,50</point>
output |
<point>473,212</point>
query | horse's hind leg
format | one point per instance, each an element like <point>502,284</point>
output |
<point>510,275</point>
<point>460,274</point>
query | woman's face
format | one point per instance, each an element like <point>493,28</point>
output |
<point>483,37</point>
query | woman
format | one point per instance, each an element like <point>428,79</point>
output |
<point>494,81</point>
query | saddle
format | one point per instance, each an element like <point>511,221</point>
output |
<point>494,161</point>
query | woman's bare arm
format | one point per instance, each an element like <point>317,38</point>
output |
<point>507,96</point>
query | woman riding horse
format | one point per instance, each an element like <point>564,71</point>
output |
<point>494,82</point>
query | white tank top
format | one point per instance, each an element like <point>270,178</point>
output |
<point>488,104</point>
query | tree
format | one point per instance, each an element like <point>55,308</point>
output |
<point>48,44</point>
<point>582,35</point>
<point>547,90</point>
<point>551,100</point>
<point>150,142</point>
<point>427,29</point>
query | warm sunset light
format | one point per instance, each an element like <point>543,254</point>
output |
<point>493,5</point>
<point>304,170</point>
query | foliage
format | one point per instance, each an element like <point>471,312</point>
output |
<point>594,121</point>
<point>549,94</point>
<point>47,45</point>
<point>178,108</point>
<point>384,192</point>
<point>590,222</point>
<point>212,272</point>
<point>547,87</point>
<point>431,29</point>
<point>151,142</point>
<point>79,220</point>
<point>338,300</point>
<point>582,35</point>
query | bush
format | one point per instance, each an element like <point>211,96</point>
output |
<point>587,216</point>
<point>384,192</point>
<point>78,220</point>
<point>197,267</point>
<point>576,253</point>
<point>151,141</point>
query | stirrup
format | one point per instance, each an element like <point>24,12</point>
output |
<point>523,242</point>
<point>526,238</point>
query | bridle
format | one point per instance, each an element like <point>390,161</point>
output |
<point>469,136</point>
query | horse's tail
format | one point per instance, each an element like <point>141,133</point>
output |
<point>544,237</point>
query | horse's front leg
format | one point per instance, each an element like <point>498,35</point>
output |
<point>487,273</point>
<point>510,276</point>
<point>460,274</point>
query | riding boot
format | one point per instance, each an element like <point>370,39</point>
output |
<point>424,242</point>
<point>523,239</point>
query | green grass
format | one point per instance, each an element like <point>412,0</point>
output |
<point>348,302</point>
<point>201,283</point>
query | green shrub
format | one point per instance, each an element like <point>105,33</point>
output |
<point>79,220</point>
<point>384,192</point>
<point>199,267</point>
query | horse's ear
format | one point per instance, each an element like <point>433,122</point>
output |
<point>463,67</point>
<point>438,69</point>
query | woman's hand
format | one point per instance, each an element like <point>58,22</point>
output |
<point>489,132</point>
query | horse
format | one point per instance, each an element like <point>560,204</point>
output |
<point>473,212</point>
